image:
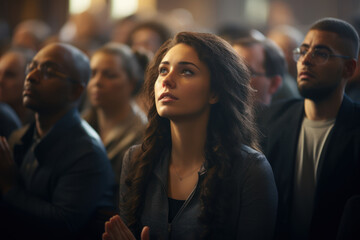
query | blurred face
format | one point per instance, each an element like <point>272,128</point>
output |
<point>147,39</point>
<point>109,85</point>
<point>254,56</point>
<point>182,89</point>
<point>319,81</point>
<point>12,76</point>
<point>287,45</point>
<point>48,87</point>
<point>24,38</point>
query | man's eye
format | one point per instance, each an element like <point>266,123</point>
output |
<point>48,68</point>
<point>30,68</point>
<point>303,52</point>
<point>321,54</point>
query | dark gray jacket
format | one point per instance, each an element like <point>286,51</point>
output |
<point>254,200</point>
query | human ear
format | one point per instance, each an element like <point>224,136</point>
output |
<point>77,90</point>
<point>349,68</point>
<point>275,84</point>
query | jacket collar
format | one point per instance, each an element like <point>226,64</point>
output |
<point>70,119</point>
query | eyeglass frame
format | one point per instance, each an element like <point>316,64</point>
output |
<point>297,51</point>
<point>254,73</point>
<point>43,69</point>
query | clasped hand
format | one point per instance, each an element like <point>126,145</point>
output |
<point>115,229</point>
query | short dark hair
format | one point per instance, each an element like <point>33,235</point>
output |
<point>343,29</point>
<point>274,63</point>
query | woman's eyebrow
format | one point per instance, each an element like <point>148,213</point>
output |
<point>181,63</point>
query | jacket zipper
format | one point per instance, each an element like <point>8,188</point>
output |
<point>183,206</point>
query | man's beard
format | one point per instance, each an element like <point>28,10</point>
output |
<point>318,94</point>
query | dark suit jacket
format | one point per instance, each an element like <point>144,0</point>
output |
<point>338,173</point>
<point>73,179</point>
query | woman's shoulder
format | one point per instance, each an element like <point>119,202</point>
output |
<point>253,161</point>
<point>129,154</point>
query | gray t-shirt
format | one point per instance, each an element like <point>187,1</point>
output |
<point>312,138</point>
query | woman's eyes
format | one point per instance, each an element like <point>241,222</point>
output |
<point>185,72</point>
<point>162,70</point>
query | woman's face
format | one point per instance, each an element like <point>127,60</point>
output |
<point>109,85</point>
<point>182,89</point>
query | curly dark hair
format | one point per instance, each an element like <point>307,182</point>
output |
<point>231,121</point>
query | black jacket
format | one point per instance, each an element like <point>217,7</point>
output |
<point>338,173</point>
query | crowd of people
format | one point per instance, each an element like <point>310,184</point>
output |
<point>158,134</point>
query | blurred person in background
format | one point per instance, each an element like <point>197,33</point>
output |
<point>287,38</point>
<point>12,76</point>
<point>31,34</point>
<point>266,63</point>
<point>148,36</point>
<point>115,76</point>
<point>9,121</point>
<point>121,28</point>
<point>353,86</point>
<point>231,32</point>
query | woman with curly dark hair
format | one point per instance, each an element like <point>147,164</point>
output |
<point>197,173</point>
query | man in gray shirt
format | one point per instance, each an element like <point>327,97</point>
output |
<point>313,144</point>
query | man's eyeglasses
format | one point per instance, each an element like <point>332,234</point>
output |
<point>319,56</point>
<point>254,73</point>
<point>48,70</point>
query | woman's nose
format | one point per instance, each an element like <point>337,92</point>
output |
<point>96,79</point>
<point>169,80</point>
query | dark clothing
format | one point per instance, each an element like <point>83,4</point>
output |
<point>69,178</point>
<point>338,172</point>
<point>9,121</point>
<point>253,201</point>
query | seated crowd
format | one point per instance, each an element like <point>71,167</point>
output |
<point>190,135</point>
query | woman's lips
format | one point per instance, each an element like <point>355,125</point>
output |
<point>167,97</point>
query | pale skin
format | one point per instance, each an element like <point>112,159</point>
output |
<point>109,91</point>
<point>335,70</point>
<point>182,94</point>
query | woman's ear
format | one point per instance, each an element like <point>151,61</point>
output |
<point>214,98</point>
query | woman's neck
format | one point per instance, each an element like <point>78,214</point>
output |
<point>188,142</point>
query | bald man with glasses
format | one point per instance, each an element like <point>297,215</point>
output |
<point>54,173</point>
<point>313,144</point>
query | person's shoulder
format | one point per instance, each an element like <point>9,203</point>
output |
<point>249,154</point>
<point>129,154</point>
<point>250,158</point>
<point>251,162</point>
